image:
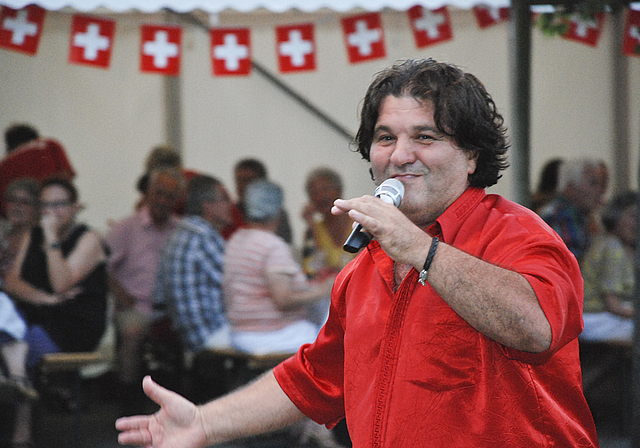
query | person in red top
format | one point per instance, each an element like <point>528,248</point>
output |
<point>29,155</point>
<point>457,326</point>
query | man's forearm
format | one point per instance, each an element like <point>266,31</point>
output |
<point>495,301</point>
<point>257,408</point>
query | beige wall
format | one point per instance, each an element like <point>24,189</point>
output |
<point>109,119</point>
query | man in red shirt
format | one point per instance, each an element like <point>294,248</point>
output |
<point>458,326</point>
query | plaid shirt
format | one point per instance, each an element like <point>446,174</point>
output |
<point>189,280</point>
<point>568,222</point>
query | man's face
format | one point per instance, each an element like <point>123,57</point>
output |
<point>218,211</point>
<point>407,146</point>
<point>590,191</point>
<point>244,176</point>
<point>322,192</point>
<point>162,196</point>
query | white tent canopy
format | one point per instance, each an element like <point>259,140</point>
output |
<point>214,6</point>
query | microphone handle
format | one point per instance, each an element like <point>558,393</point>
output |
<point>357,240</point>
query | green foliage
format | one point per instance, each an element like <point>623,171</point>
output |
<point>557,22</point>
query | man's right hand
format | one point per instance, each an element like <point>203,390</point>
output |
<point>178,423</point>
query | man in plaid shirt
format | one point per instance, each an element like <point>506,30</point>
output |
<point>189,281</point>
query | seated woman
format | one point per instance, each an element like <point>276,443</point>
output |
<point>608,272</point>
<point>59,278</point>
<point>59,281</point>
<point>266,292</point>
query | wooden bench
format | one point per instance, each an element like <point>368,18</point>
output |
<point>52,363</point>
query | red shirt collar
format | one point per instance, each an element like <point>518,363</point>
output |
<point>449,222</point>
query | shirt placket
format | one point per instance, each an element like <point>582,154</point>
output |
<point>391,344</point>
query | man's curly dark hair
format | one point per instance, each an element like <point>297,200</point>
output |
<point>463,110</point>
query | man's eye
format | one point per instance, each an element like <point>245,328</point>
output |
<point>425,137</point>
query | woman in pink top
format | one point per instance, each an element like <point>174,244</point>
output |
<point>265,289</point>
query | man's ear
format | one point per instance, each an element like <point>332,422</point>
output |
<point>472,157</point>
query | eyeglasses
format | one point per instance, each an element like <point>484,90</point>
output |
<point>22,201</point>
<point>55,204</point>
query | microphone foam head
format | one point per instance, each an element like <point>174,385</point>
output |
<point>390,191</point>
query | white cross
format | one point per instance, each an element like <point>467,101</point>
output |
<point>91,41</point>
<point>363,38</point>
<point>429,23</point>
<point>231,52</point>
<point>21,27</point>
<point>493,12</point>
<point>582,25</point>
<point>296,48</point>
<point>634,32</point>
<point>161,49</point>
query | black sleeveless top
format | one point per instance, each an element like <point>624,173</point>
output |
<point>75,325</point>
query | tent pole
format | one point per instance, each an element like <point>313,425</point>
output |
<point>635,359</point>
<point>173,112</point>
<point>619,71</point>
<point>172,102</point>
<point>520,61</point>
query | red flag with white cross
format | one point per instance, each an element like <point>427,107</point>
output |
<point>296,47</point>
<point>487,16</point>
<point>364,37</point>
<point>160,49</point>
<point>20,29</point>
<point>230,51</point>
<point>430,26</point>
<point>91,41</point>
<point>585,30</point>
<point>631,41</point>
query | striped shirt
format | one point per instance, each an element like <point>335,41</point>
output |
<point>251,255</point>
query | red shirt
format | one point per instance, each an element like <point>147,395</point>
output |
<point>407,371</point>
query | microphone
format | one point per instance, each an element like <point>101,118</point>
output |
<point>391,192</point>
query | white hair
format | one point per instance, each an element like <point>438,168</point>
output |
<point>572,171</point>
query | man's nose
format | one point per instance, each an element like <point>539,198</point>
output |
<point>403,152</point>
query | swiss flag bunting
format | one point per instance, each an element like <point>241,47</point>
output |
<point>230,51</point>
<point>487,16</point>
<point>160,49</point>
<point>91,38</point>
<point>430,26</point>
<point>364,37</point>
<point>91,41</point>
<point>20,29</point>
<point>296,47</point>
<point>585,30</point>
<point>631,41</point>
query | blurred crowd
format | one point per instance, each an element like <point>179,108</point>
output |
<point>189,267</point>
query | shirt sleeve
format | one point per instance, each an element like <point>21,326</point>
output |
<point>186,292</point>
<point>554,275</point>
<point>116,240</point>
<point>313,379</point>
<point>280,260</point>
